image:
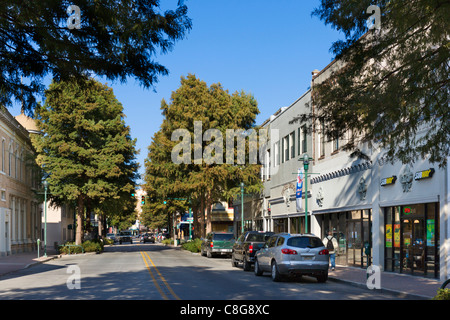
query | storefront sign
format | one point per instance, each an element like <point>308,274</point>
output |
<point>389,236</point>
<point>388,181</point>
<point>430,232</point>
<point>424,174</point>
<point>397,235</point>
<point>407,210</point>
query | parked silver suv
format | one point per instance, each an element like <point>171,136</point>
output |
<point>286,254</point>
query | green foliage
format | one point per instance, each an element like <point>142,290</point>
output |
<point>201,182</point>
<point>391,86</point>
<point>107,241</point>
<point>86,148</point>
<point>116,39</point>
<point>88,246</point>
<point>442,294</point>
<point>193,245</point>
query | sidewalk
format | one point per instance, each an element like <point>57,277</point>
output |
<point>23,260</point>
<point>405,286</point>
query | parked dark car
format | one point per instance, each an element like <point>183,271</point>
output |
<point>217,243</point>
<point>246,246</point>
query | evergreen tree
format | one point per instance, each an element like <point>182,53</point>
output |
<point>86,148</point>
<point>204,176</point>
<point>114,39</point>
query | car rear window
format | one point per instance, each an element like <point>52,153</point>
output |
<point>224,236</point>
<point>257,237</point>
<point>304,242</point>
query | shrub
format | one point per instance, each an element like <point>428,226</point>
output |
<point>193,245</point>
<point>69,248</point>
<point>88,246</point>
<point>93,246</point>
<point>442,294</point>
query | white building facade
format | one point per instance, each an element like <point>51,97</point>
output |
<point>394,216</point>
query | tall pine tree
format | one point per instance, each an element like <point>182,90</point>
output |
<point>86,148</point>
<point>205,177</point>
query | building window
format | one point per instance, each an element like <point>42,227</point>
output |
<point>322,139</point>
<point>276,159</point>
<point>304,143</point>
<point>3,155</point>
<point>285,148</point>
<point>10,156</point>
<point>268,164</point>
<point>336,144</point>
<point>412,239</point>
<point>292,144</point>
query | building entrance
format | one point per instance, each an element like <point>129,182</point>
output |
<point>413,248</point>
<point>412,239</point>
<point>352,229</point>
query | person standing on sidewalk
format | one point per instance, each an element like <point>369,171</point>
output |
<point>331,244</point>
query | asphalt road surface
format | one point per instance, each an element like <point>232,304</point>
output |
<point>156,272</point>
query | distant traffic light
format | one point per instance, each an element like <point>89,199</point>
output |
<point>142,199</point>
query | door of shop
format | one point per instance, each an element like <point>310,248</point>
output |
<point>359,243</point>
<point>413,249</point>
<point>354,236</point>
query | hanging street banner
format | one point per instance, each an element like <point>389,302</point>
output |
<point>298,193</point>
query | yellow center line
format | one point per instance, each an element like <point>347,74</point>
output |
<point>153,277</point>
<point>163,279</point>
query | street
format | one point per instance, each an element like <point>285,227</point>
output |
<point>156,272</point>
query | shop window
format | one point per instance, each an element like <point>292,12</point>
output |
<point>411,239</point>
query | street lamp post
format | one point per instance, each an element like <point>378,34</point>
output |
<point>306,167</point>
<point>45,183</point>
<point>242,207</point>
<point>305,160</point>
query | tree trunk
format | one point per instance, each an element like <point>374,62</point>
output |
<point>208,213</point>
<point>80,214</point>
<point>196,224</point>
<point>100,225</point>
<point>202,216</point>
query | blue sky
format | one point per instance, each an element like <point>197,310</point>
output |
<point>267,48</point>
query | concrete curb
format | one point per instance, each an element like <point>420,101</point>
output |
<point>400,294</point>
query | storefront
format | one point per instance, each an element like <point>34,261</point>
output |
<point>412,239</point>
<point>352,230</point>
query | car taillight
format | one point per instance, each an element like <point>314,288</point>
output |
<point>288,251</point>
<point>324,252</point>
<point>250,248</point>
<point>211,244</point>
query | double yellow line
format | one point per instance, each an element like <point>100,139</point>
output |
<point>164,289</point>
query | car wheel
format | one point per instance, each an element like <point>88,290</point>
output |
<point>258,271</point>
<point>323,277</point>
<point>276,276</point>
<point>247,265</point>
